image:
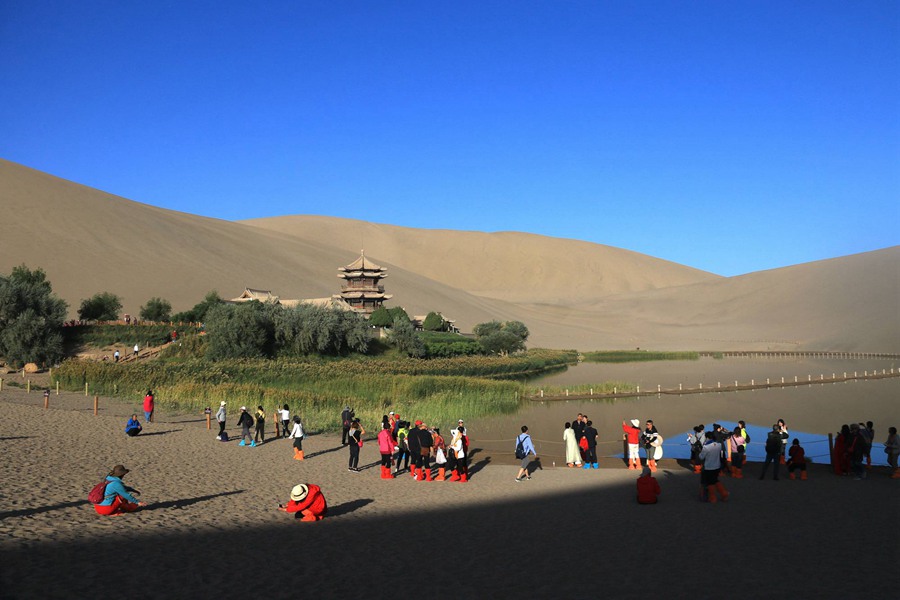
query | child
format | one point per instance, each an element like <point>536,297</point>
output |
<point>306,500</point>
<point>797,460</point>
<point>297,435</point>
<point>647,488</point>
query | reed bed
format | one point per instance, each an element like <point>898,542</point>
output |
<point>620,356</point>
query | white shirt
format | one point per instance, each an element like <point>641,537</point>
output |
<point>285,414</point>
<point>297,432</point>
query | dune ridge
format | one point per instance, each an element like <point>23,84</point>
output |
<point>570,293</point>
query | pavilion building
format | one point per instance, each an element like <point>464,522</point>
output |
<point>362,288</point>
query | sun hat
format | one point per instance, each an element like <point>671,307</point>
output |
<point>118,471</point>
<point>390,413</point>
<point>460,421</point>
<point>243,408</point>
<point>299,492</point>
<point>635,422</point>
<point>222,403</point>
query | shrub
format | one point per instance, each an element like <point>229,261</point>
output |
<point>156,309</point>
<point>102,306</point>
<point>31,318</point>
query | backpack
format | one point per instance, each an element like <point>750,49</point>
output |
<point>98,492</point>
<point>520,447</point>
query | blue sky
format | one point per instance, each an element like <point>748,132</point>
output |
<point>728,136</point>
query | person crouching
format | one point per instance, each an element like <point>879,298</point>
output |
<point>647,488</point>
<point>307,502</point>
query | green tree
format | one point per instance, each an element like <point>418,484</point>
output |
<point>31,318</point>
<point>316,330</point>
<point>404,336</point>
<point>380,317</point>
<point>102,306</point>
<point>501,338</point>
<point>156,309</point>
<point>239,331</point>
<point>198,313</point>
<point>397,312</point>
<point>434,322</point>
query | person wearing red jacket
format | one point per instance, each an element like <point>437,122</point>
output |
<point>148,406</point>
<point>632,435</point>
<point>647,488</point>
<point>797,460</point>
<point>306,500</point>
<point>386,448</point>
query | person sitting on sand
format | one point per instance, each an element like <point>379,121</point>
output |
<point>797,460</point>
<point>307,502</point>
<point>647,487</point>
<point>133,426</point>
<point>118,498</point>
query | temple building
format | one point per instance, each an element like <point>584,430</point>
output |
<point>362,287</point>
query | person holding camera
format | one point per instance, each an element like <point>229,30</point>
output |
<point>773,451</point>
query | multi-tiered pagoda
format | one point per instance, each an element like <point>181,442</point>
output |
<point>362,287</point>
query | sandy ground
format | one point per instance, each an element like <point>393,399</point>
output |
<point>211,528</point>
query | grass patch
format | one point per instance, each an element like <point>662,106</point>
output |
<point>621,356</point>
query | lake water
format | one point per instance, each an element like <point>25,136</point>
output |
<point>810,412</point>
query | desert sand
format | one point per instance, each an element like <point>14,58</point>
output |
<point>211,528</point>
<point>571,294</point>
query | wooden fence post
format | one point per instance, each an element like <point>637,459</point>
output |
<point>277,428</point>
<point>57,387</point>
<point>28,387</point>
<point>208,412</point>
<point>96,404</point>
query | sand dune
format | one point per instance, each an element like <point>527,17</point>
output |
<point>571,294</point>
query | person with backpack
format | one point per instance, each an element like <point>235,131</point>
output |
<point>525,452</point>
<point>297,435</point>
<point>402,456</point>
<point>346,419</point>
<point>307,503</point>
<point>246,422</point>
<point>773,451</point>
<point>738,445</point>
<point>220,419</point>
<point>260,437</point>
<point>133,426</point>
<point>696,439</point>
<point>423,460</point>
<point>112,497</point>
<point>148,406</point>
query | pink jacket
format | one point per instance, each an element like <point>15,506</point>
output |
<point>385,442</point>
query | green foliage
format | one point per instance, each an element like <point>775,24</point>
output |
<point>103,336</point>
<point>103,306</point>
<point>315,330</point>
<point>198,313</point>
<point>434,322</point>
<point>397,312</point>
<point>440,344</point>
<point>501,338</point>
<point>620,356</point>
<point>380,317</point>
<point>239,331</point>
<point>404,337</point>
<point>156,310</point>
<point>31,318</point>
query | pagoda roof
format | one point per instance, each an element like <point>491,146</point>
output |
<point>250,294</point>
<point>362,264</point>
<point>349,274</point>
<point>372,296</point>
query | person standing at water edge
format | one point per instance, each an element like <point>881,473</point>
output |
<point>245,421</point>
<point>632,436</point>
<point>892,449</point>
<point>649,440</point>
<point>525,448</point>
<point>590,456</point>
<point>220,419</point>
<point>737,444</point>
<point>346,418</point>
<point>696,439</point>
<point>773,451</point>
<point>573,453</point>
<point>797,460</point>
<point>711,455</point>
<point>784,439</point>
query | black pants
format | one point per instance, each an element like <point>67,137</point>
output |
<point>354,456</point>
<point>386,460</point>
<point>737,460</point>
<point>221,427</point>
<point>345,434</point>
<point>260,432</point>
<point>284,429</point>
<point>422,461</point>
<point>591,455</point>
<point>401,454</point>
<point>770,458</point>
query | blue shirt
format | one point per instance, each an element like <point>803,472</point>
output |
<point>527,446</point>
<point>114,488</point>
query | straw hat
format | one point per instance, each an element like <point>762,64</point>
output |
<point>299,492</point>
<point>635,422</point>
